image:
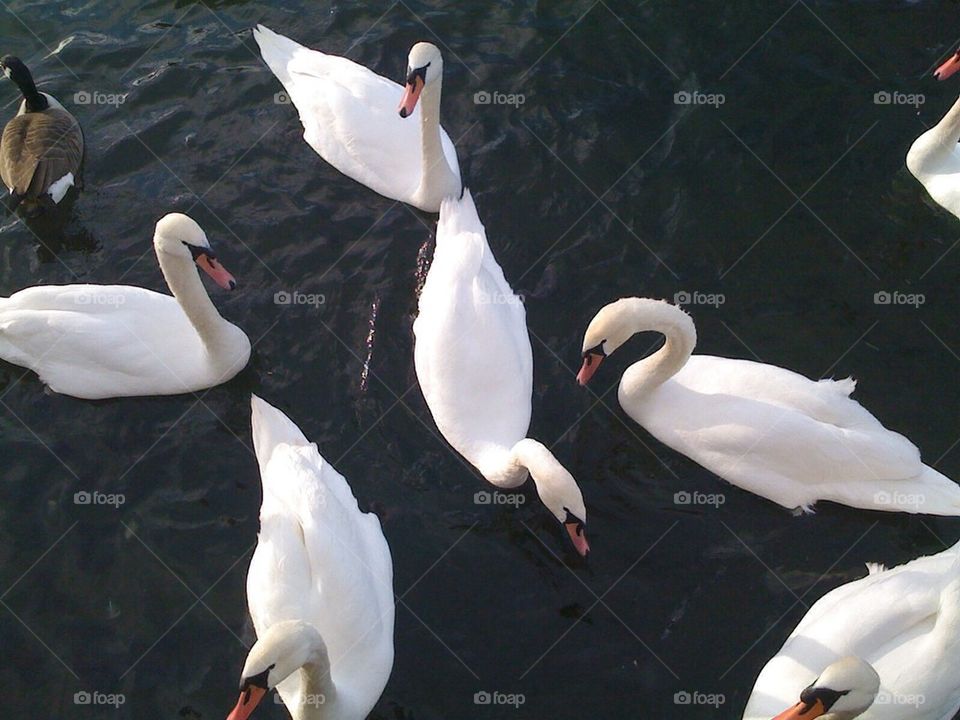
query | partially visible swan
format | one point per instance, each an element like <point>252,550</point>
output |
<point>319,587</point>
<point>904,622</point>
<point>350,117</point>
<point>475,367</point>
<point>934,160</point>
<point>763,428</point>
<point>845,689</point>
<point>104,341</point>
<point>42,146</point>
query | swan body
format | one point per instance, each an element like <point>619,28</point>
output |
<point>475,366</point>
<point>761,427</point>
<point>904,622</point>
<point>319,587</point>
<point>350,118</point>
<point>934,160</point>
<point>105,341</point>
<point>42,146</point>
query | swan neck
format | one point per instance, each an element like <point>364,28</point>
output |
<point>680,339</point>
<point>185,284</point>
<point>948,129</point>
<point>433,161</point>
<point>318,697</point>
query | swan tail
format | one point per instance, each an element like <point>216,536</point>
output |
<point>271,428</point>
<point>929,493</point>
<point>846,386</point>
<point>276,51</point>
<point>875,568</point>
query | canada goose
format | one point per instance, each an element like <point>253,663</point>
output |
<point>42,147</point>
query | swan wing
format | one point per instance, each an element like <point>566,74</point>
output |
<point>91,341</point>
<point>350,118</point>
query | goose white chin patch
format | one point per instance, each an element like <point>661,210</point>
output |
<point>59,188</point>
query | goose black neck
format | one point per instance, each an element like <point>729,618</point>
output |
<point>18,72</point>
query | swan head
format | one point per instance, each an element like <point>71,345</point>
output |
<point>845,690</point>
<point>424,67</point>
<point>557,490</point>
<point>606,332</point>
<point>949,67</point>
<point>282,650</point>
<point>180,236</point>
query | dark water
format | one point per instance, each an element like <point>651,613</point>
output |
<point>599,186</point>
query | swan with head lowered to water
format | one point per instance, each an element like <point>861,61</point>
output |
<point>319,587</point>
<point>351,119</point>
<point>475,366</point>
<point>890,643</point>
<point>763,428</point>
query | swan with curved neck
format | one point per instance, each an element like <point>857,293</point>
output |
<point>350,118</point>
<point>761,427</point>
<point>319,587</point>
<point>103,341</point>
<point>844,690</point>
<point>883,646</point>
<point>475,366</point>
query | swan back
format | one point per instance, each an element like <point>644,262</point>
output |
<point>321,560</point>
<point>472,353</point>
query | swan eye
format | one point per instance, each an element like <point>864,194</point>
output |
<point>196,251</point>
<point>595,350</point>
<point>420,72</point>
<point>259,680</point>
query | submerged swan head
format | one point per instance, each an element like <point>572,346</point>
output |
<point>557,490</point>
<point>845,690</point>
<point>424,67</point>
<point>179,235</point>
<point>282,650</point>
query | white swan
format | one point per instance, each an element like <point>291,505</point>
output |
<point>845,689</point>
<point>350,117</point>
<point>319,587</point>
<point>104,341</point>
<point>904,622</point>
<point>763,428</point>
<point>934,160</point>
<point>475,367</point>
